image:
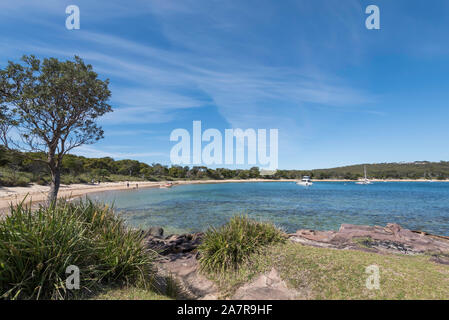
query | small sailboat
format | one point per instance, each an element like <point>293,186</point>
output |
<point>305,181</point>
<point>364,181</point>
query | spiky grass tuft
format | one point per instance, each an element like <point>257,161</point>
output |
<point>227,247</point>
<point>36,247</point>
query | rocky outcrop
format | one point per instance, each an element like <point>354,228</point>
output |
<point>391,238</point>
<point>179,258</point>
<point>154,232</point>
<point>173,244</point>
<point>184,269</point>
<point>178,261</point>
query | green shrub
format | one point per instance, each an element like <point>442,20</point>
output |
<point>41,181</point>
<point>37,246</point>
<point>14,181</point>
<point>65,179</point>
<point>22,182</point>
<point>225,248</point>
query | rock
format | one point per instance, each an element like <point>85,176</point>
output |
<point>440,259</point>
<point>266,287</point>
<point>173,237</point>
<point>184,268</point>
<point>174,243</point>
<point>391,238</point>
<point>155,232</point>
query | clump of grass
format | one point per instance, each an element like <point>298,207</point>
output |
<point>129,293</point>
<point>37,246</point>
<point>227,247</point>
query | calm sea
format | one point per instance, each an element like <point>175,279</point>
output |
<point>323,206</point>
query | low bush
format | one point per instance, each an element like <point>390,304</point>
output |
<point>228,246</point>
<point>14,181</point>
<point>37,246</point>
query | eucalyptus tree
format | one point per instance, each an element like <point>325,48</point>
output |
<point>53,107</point>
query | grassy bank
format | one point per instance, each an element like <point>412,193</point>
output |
<point>37,247</point>
<point>321,273</point>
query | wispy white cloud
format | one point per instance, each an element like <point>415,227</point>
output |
<point>143,105</point>
<point>211,55</point>
<point>89,151</point>
<point>239,91</point>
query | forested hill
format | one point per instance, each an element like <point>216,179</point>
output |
<point>19,169</point>
<point>402,170</point>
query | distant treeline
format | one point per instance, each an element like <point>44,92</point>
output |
<point>410,170</point>
<point>20,169</point>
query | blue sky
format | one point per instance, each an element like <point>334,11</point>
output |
<point>338,93</point>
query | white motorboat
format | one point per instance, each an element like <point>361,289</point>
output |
<point>305,181</point>
<point>364,181</point>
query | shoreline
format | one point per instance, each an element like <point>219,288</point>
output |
<point>36,193</point>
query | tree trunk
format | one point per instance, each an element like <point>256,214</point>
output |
<point>54,186</point>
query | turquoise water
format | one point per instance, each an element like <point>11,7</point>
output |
<point>323,206</point>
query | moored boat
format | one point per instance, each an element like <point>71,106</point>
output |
<point>305,181</point>
<point>364,181</point>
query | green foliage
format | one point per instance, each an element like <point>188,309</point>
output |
<point>54,106</point>
<point>37,247</point>
<point>410,170</point>
<point>229,246</point>
<point>78,169</point>
<point>11,177</point>
<point>54,103</point>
